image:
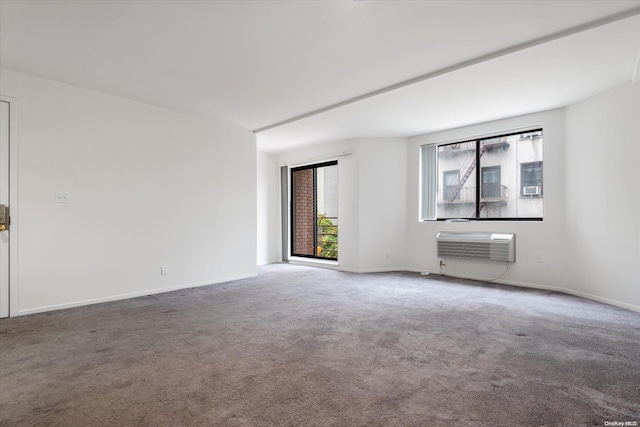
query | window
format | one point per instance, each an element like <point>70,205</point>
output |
<point>456,185</point>
<point>491,187</point>
<point>493,177</point>
<point>314,215</point>
<point>531,179</point>
<point>451,181</point>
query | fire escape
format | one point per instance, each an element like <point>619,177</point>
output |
<point>469,167</point>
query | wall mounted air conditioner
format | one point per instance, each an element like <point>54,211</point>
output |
<point>531,191</point>
<point>481,246</point>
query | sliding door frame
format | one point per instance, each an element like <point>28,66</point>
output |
<point>314,167</point>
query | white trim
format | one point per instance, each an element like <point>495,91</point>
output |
<point>536,286</point>
<point>313,262</point>
<point>315,160</point>
<point>333,266</point>
<point>13,205</point>
<point>374,270</point>
<point>132,295</point>
<point>602,300</point>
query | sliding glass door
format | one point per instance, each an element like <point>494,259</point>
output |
<point>314,211</point>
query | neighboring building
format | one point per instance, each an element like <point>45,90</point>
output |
<point>510,177</point>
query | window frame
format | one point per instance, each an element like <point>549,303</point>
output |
<point>292,225</point>
<point>451,172</point>
<point>478,176</point>
<point>522,184</point>
<point>489,169</point>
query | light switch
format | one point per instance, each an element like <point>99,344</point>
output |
<point>62,197</point>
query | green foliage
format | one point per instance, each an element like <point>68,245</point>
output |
<point>327,237</point>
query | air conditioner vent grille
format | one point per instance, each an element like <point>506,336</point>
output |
<point>468,250</point>
<point>480,246</point>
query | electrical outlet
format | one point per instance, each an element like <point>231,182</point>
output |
<point>62,197</point>
<point>164,270</point>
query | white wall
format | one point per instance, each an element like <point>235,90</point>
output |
<point>545,238</point>
<point>268,208</point>
<point>603,196</point>
<point>383,203</point>
<point>148,187</point>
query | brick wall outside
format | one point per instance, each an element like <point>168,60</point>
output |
<point>304,217</point>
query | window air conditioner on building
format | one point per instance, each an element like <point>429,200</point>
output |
<point>531,191</point>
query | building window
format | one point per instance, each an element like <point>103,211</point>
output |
<point>531,179</point>
<point>484,178</point>
<point>490,179</point>
<point>451,180</point>
<point>314,215</point>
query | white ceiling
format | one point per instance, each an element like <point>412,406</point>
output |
<point>256,63</point>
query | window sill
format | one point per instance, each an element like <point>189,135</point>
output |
<point>313,262</point>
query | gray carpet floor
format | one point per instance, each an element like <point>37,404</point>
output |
<point>298,346</point>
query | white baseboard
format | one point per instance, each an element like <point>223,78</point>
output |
<point>503,282</point>
<point>603,300</point>
<point>540,287</point>
<point>131,295</point>
<point>334,266</point>
<point>312,262</point>
<point>374,270</point>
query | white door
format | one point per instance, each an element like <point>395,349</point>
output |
<point>4,200</point>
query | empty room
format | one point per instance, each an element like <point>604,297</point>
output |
<point>319,213</point>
